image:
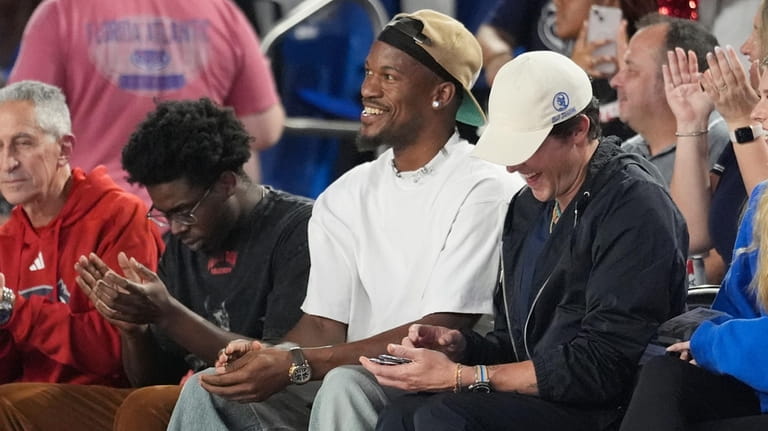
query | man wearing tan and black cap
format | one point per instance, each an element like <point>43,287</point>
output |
<point>412,237</point>
<point>593,256</point>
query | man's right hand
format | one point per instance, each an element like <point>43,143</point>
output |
<point>139,298</point>
<point>449,341</point>
<point>685,96</point>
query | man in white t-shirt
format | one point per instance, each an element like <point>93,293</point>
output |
<point>410,237</point>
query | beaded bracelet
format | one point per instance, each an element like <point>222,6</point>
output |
<point>457,388</point>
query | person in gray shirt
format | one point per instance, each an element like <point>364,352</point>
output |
<point>640,87</point>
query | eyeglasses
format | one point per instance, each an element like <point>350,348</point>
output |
<point>186,218</point>
<point>411,28</point>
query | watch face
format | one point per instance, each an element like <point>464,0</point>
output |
<point>483,387</point>
<point>744,134</point>
<point>301,373</point>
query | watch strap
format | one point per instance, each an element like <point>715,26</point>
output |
<point>482,380</point>
<point>297,356</point>
<point>299,372</point>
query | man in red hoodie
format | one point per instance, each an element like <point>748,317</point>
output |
<point>49,330</point>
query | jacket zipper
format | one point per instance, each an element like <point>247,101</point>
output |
<point>541,289</point>
<point>530,313</point>
<point>506,306</point>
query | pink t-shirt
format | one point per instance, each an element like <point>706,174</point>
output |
<point>114,59</point>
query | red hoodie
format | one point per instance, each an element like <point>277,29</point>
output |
<point>55,334</point>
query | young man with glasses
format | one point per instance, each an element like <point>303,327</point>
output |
<point>410,237</point>
<point>235,266</point>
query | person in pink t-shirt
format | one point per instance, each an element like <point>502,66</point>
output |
<point>115,59</point>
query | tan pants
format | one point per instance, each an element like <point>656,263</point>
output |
<point>46,406</point>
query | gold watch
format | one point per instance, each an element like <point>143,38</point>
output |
<point>300,372</point>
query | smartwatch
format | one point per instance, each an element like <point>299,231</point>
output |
<point>482,381</point>
<point>300,372</point>
<point>7,299</point>
<point>742,135</point>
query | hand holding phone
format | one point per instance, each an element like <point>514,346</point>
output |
<point>390,360</point>
<point>603,24</point>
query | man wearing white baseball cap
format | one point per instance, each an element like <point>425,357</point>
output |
<point>593,256</point>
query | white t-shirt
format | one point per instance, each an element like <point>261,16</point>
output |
<point>388,248</point>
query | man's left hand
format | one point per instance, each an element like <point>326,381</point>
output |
<point>429,370</point>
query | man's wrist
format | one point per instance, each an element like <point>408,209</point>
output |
<point>171,313</point>
<point>300,372</point>
<point>685,126</point>
<point>134,332</point>
<point>482,380</point>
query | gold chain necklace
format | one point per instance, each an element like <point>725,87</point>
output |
<point>556,213</point>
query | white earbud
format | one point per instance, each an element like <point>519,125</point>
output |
<point>435,104</point>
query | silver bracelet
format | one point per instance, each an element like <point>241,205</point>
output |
<point>691,134</point>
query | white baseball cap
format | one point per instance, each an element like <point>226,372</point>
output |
<point>531,94</point>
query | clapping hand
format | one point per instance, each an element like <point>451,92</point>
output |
<point>685,96</point>
<point>139,298</point>
<point>728,86</point>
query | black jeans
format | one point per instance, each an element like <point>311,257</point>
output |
<point>672,395</point>
<point>487,412</point>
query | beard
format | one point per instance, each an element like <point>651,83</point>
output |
<point>397,138</point>
<point>368,143</point>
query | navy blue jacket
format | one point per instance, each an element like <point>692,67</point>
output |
<point>612,270</point>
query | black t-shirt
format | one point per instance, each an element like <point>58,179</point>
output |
<point>255,289</point>
<point>727,204</point>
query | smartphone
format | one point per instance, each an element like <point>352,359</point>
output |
<point>390,360</point>
<point>604,22</point>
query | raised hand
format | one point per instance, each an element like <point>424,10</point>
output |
<point>728,86</point>
<point>140,298</point>
<point>88,279</point>
<point>685,97</point>
<point>583,54</point>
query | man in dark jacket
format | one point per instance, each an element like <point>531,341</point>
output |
<point>594,257</point>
